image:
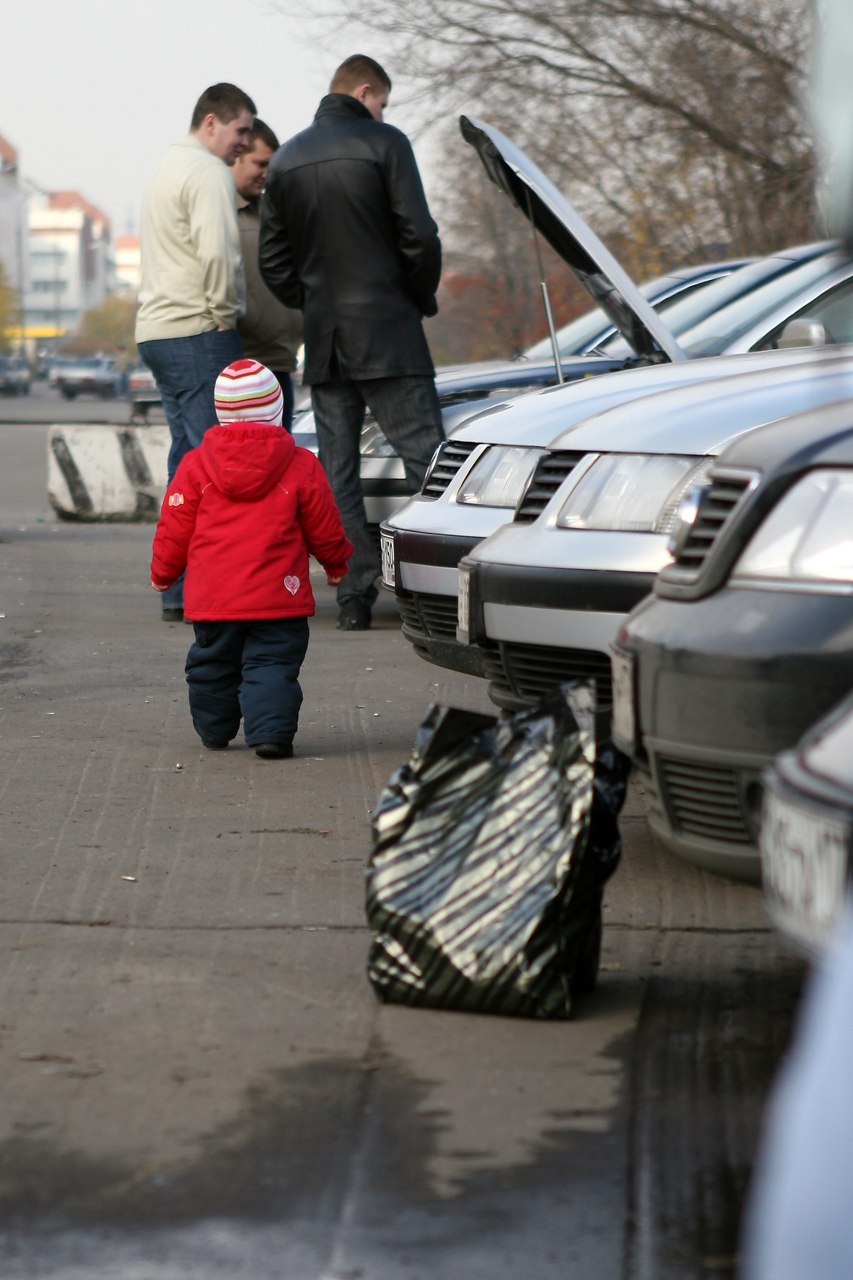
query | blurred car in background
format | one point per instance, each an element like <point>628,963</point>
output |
<point>14,376</point>
<point>95,376</point>
<point>143,391</point>
<point>747,639</point>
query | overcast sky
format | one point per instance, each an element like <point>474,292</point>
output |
<point>92,94</point>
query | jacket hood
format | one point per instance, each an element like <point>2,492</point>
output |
<point>246,459</point>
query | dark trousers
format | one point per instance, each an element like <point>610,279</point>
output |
<point>249,670</point>
<point>409,415</point>
<point>286,383</point>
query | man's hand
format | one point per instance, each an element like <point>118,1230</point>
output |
<point>334,579</point>
<point>158,587</point>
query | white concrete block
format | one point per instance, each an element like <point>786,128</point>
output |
<point>100,472</point>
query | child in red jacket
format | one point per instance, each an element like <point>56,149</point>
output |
<point>241,516</point>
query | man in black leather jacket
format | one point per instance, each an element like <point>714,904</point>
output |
<point>346,235</point>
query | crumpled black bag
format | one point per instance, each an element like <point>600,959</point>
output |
<point>491,845</point>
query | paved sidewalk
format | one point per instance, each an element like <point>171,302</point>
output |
<point>197,1078</point>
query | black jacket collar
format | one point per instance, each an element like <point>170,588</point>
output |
<point>340,104</point>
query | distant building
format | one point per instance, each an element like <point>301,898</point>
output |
<point>127,264</point>
<point>14,195</point>
<point>70,262</point>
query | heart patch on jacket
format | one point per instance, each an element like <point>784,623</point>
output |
<point>292,584</point>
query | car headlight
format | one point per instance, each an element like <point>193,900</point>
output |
<point>632,492</point>
<point>808,536</point>
<point>498,478</point>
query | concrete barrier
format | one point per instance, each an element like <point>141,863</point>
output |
<point>101,472</point>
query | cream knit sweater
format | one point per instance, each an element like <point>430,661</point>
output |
<point>191,278</point>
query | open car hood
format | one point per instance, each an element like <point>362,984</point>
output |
<point>567,233</point>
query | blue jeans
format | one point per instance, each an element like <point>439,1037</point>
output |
<point>248,670</point>
<point>185,370</point>
<point>286,383</point>
<point>408,412</point>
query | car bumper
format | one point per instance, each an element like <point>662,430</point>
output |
<point>541,627</point>
<point>421,567</point>
<point>806,832</point>
<point>720,686</point>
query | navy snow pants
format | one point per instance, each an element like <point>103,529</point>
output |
<point>249,670</point>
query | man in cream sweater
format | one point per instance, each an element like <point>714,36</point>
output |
<point>191,290</point>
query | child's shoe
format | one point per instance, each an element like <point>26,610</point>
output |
<point>274,750</point>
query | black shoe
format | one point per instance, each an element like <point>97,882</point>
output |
<point>214,746</point>
<point>274,750</point>
<point>354,616</point>
<point>172,615</point>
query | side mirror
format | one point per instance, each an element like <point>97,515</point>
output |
<point>803,333</point>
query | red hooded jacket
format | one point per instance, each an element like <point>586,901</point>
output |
<point>241,515</point>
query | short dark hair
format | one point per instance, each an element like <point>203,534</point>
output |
<point>261,132</point>
<point>225,101</point>
<point>357,70</point>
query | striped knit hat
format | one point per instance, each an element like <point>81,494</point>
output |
<point>247,392</point>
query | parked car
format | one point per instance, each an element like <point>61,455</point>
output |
<point>142,390</point>
<point>586,332</point>
<point>806,832</point>
<point>747,639</point>
<point>424,541</point>
<point>466,389</point>
<point>97,376</point>
<point>544,596</point>
<point>14,376</point>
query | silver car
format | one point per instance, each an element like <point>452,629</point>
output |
<point>544,596</point>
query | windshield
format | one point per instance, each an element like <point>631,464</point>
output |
<point>727,307</point>
<point>718,332</point>
<point>574,337</point>
<point>594,327</point>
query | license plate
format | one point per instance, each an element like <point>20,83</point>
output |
<point>624,717</point>
<point>389,569</point>
<point>803,867</point>
<point>463,607</point>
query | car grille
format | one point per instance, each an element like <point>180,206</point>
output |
<point>529,671</point>
<point>433,617</point>
<point>717,504</point>
<point>703,800</point>
<point>551,470</point>
<point>450,457</point>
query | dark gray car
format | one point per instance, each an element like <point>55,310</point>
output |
<point>747,638</point>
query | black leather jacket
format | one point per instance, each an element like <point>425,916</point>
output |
<point>346,235</point>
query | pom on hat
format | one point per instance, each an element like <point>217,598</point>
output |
<point>247,392</point>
